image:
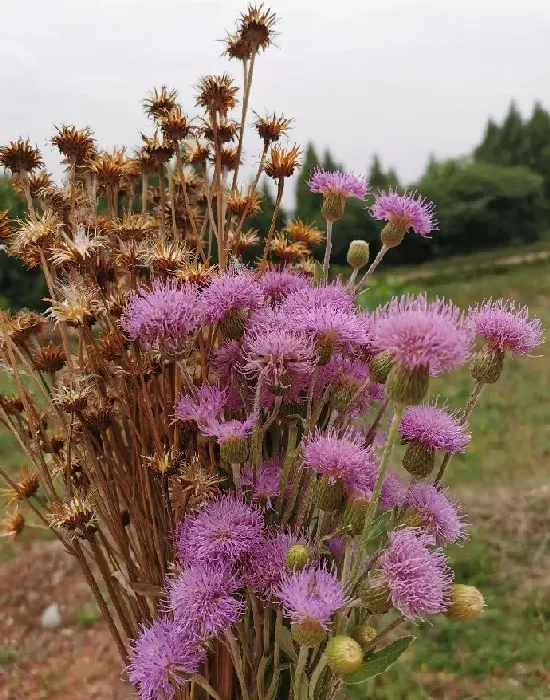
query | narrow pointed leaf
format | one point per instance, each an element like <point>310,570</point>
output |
<point>379,662</point>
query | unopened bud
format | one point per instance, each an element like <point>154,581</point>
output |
<point>364,635</point>
<point>297,557</point>
<point>344,393</point>
<point>234,450</point>
<point>407,386</point>
<point>394,232</point>
<point>328,497</point>
<point>354,514</point>
<point>380,366</point>
<point>419,459</point>
<point>324,344</point>
<point>375,595</point>
<point>358,254</point>
<point>344,655</point>
<point>232,324</point>
<point>333,206</point>
<point>466,603</point>
<point>486,365</point>
<point>308,633</point>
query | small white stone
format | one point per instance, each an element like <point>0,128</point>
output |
<point>51,617</point>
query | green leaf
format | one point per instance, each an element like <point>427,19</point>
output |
<point>380,525</point>
<point>318,272</point>
<point>284,639</point>
<point>377,663</point>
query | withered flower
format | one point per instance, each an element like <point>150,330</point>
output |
<point>34,237</point>
<point>27,484</point>
<point>217,94</point>
<point>226,130</point>
<point>237,47</point>
<point>175,125</point>
<point>59,199</point>
<point>286,251</point>
<point>129,255</point>
<point>159,102</point>
<point>302,232</point>
<point>72,398</point>
<point>133,226</point>
<point>229,158</point>
<point>113,345</point>
<point>247,239</point>
<point>12,404</point>
<point>192,489</point>
<point>197,272</point>
<point>109,168</point>
<point>114,303</point>
<point>37,182</point>
<point>81,250</point>
<point>78,304</point>
<point>282,162</point>
<point>256,27</point>
<point>6,230</point>
<point>49,358</point>
<point>165,462</point>
<point>77,145</point>
<point>270,128</point>
<point>12,525</point>
<point>76,515</point>
<point>98,414</point>
<point>56,442</point>
<point>247,203</point>
<point>165,257</point>
<point>158,151</point>
<point>24,325</point>
<point>190,181</point>
<point>196,152</point>
<point>307,266</point>
<point>20,157</point>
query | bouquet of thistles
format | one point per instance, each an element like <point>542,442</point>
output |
<point>212,440</point>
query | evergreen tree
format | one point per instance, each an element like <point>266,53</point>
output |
<point>307,204</point>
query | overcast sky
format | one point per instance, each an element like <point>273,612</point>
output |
<point>401,78</point>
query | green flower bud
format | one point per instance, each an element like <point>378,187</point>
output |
<point>394,232</point>
<point>234,450</point>
<point>487,364</point>
<point>407,386</point>
<point>466,603</point>
<point>364,635</point>
<point>308,633</point>
<point>375,595</point>
<point>344,655</point>
<point>419,459</point>
<point>354,514</point>
<point>297,557</point>
<point>358,254</point>
<point>380,366</point>
<point>344,393</point>
<point>327,496</point>
<point>232,325</point>
<point>333,206</point>
<point>324,344</point>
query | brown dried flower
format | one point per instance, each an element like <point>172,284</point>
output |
<point>240,203</point>
<point>109,168</point>
<point>217,94</point>
<point>129,255</point>
<point>270,128</point>
<point>302,232</point>
<point>158,151</point>
<point>76,515</point>
<point>226,130</point>
<point>24,325</point>
<point>229,158</point>
<point>193,488</point>
<point>37,182</point>
<point>33,237</point>
<point>165,257</point>
<point>72,398</point>
<point>6,230</point>
<point>282,162</point>
<point>237,47</point>
<point>112,345</point>
<point>98,414</point>
<point>133,226</point>
<point>49,358</point>
<point>166,462</point>
<point>12,525</point>
<point>256,27</point>
<point>247,239</point>
<point>158,103</point>
<point>286,251</point>
<point>56,442</point>
<point>77,305</point>
<point>77,145</point>
<point>26,486</point>
<point>79,251</point>
<point>175,125</point>
<point>12,404</point>
<point>20,157</point>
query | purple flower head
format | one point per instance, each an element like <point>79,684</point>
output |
<point>311,595</point>
<point>419,333</point>
<point>343,370</point>
<point>266,565</point>
<point>333,295</point>
<point>419,577</point>
<point>165,316</point>
<point>362,483</point>
<point>277,284</point>
<point>268,477</point>
<point>336,545</point>
<point>202,598</point>
<point>507,326</point>
<point>435,427</point>
<point>231,291</point>
<point>409,210</point>
<point>440,516</point>
<point>209,404</point>
<point>229,429</point>
<point>336,182</point>
<point>162,656</point>
<point>225,360</point>
<point>225,531</point>
<point>281,357</point>
<point>344,330</point>
<point>339,456</point>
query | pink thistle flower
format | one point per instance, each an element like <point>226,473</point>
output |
<point>225,530</point>
<point>409,210</point>
<point>265,566</point>
<point>202,599</point>
<point>312,595</point>
<point>208,405</point>
<point>338,183</point>
<point>336,545</point>
<point>440,516</point>
<point>507,326</point>
<point>231,291</point>
<point>435,427</point>
<point>268,477</point>
<point>225,359</point>
<point>419,577</point>
<point>280,357</point>
<point>277,284</point>
<point>165,316</point>
<point>419,333</point>
<point>362,485</point>
<point>333,295</point>
<point>162,658</point>
<point>229,429</point>
<point>339,456</point>
<point>344,330</point>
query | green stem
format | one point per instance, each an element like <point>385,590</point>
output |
<point>300,668</point>
<point>289,459</point>
<point>316,676</point>
<point>328,250</point>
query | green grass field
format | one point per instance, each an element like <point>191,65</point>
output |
<point>504,485</point>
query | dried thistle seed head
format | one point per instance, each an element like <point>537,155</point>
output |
<point>240,203</point>
<point>190,181</point>
<point>84,247</point>
<point>194,487</point>
<point>77,145</point>
<point>248,239</point>
<point>112,345</point>
<point>175,125</point>
<point>303,232</point>
<point>60,199</point>
<point>20,157</point>
<point>165,257</point>
<point>128,255</point>
<point>24,325</point>
<point>282,162</point>
<point>158,151</point>
<point>159,102</point>
<point>256,27</point>
<point>229,158</point>
<point>98,414</point>
<point>6,230</point>
<point>34,237</point>
<point>26,483</point>
<point>307,266</point>
<point>12,404</point>
<point>56,442</point>
<point>147,166</point>
<point>114,303</point>
<point>196,151</point>
<point>78,303</point>
<point>140,367</point>
<point>49,358</point>
<point>286,251</point>
<point>133,226</point>
<point>270,128</point>
<point>12,525</point>
<point>37,182</point>
<point>108,168</point>
<point>217,94</point>
<point>237,47</point>
<point>197,272</point>
<point>76,515</point>
<point>72,398</point>
<point>226,130</point>
<point>165,462</point>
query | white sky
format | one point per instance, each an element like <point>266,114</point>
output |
<point>401,78</point>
